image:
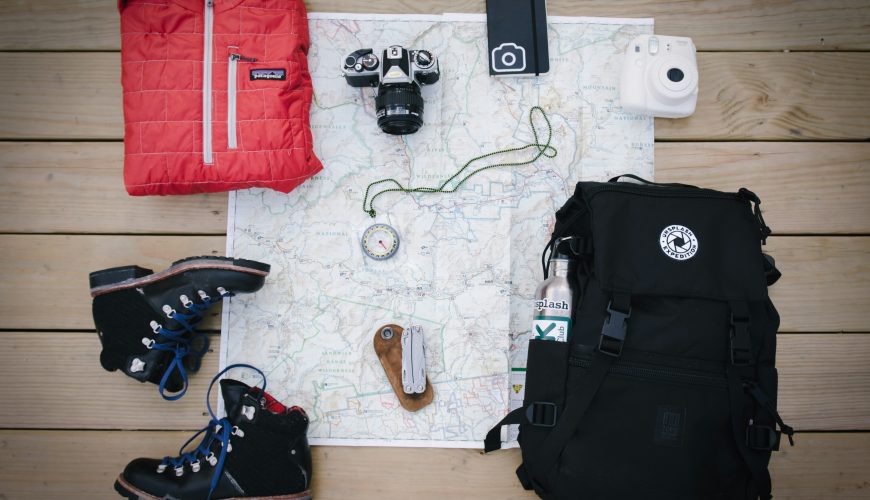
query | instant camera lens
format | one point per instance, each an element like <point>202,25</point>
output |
<point>399,108</point>
<point>675,75</point>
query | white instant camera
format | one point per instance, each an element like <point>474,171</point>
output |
<point>660,76</point>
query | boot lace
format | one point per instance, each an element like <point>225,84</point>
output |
<point>182,341</point>
<point>218,430</point>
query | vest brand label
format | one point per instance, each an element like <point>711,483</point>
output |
<point>268,74</point>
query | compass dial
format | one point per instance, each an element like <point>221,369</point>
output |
<point>380,241</point>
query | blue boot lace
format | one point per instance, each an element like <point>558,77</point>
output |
<point>218,430</point>
<point>182,342</point>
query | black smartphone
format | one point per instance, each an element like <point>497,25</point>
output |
<point>517,35</point>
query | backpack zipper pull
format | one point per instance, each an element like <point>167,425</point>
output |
<point>765,402</point>
<point>756,209</point>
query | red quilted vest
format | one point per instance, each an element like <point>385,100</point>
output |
<point>216,95</point>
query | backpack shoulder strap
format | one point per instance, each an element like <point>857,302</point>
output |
<point>581,389</point>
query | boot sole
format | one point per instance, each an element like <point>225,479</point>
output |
<point>132,493</point>
<point>122,278</point>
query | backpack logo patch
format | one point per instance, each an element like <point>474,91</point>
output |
<point>670,422</point>
<point>678,242</point>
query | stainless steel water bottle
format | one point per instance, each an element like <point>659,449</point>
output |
<point>554,298</point>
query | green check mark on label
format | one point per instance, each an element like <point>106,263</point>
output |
<point>542,334</point>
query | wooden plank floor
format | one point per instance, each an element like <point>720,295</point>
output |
<point>784,109</point>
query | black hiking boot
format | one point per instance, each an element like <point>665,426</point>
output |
<point>146,320</point>
<point>259,450</point>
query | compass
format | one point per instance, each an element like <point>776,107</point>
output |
<point>380,241</point>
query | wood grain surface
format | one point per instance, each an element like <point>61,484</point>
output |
<point>823,466</point>
<point>806,187</point>
<point>75,187</point>
<point>78,187</point>
<point>42,269</point>
<point>822,385</point>
<point>784,109</point>
<point>826,283</point>
<point>758,96</point>
<point>713,24</point>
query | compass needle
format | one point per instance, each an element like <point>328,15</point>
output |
<point>380,241</point>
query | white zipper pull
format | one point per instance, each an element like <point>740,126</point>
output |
<point>208,19</point>
<point>239,57</point>
<point>232,140</point>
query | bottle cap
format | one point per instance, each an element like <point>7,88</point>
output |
<point>562,250</point>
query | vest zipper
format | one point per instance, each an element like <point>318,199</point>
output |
<point>207,152</point>
<point>662,374</point>
<point>232,72</point>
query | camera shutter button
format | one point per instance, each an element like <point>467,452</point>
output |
<point>424,58</point>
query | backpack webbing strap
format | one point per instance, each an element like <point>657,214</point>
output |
<point>493,437</point>
<point>740,341</point>
<point>581,390</point>
<point>756,462</point>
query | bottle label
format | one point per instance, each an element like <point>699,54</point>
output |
<point>548,303</point>
<point>551,328</point>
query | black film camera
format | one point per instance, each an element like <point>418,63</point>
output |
<point>398,76</point>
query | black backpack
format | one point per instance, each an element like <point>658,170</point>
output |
<point>666,388</point>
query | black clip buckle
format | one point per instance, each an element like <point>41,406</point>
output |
<point>613,332</point>
<point>762,437</point>
<point>741,346</point>
<point>542,414</point>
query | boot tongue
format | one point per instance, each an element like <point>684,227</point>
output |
<point>244,401</point>
<point>237,395</point>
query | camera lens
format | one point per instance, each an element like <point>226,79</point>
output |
<point>675,75</point>
<point>399,108</point>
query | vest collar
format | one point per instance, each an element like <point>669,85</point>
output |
<point>199,5</point>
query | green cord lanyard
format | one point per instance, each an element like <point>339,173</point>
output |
<point>543,149</point>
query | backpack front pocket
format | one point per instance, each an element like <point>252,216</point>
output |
<point>664,426</point>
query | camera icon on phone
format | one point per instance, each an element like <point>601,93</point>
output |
<point>508,57</point>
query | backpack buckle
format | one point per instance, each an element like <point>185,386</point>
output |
<point>741,345</point>
<point>542,414</point>
<point>614,330</point>
<point>762,437</point>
